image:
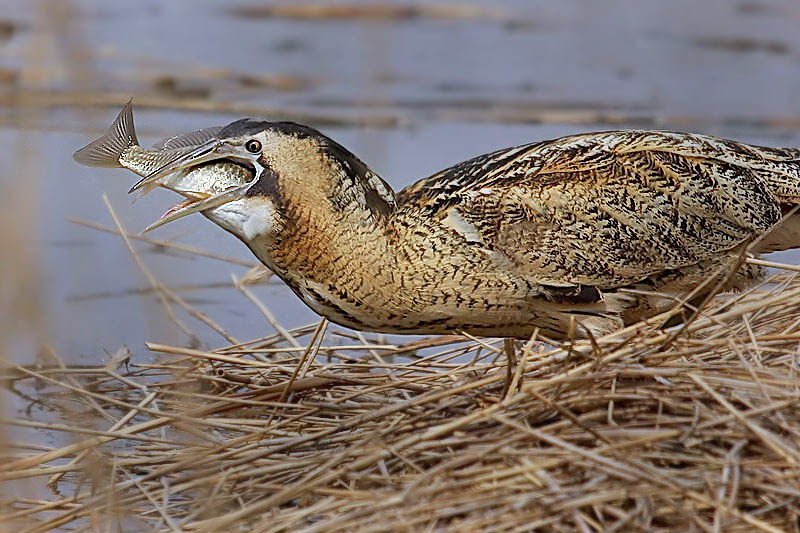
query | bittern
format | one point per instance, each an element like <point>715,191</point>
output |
<point>573,236</point>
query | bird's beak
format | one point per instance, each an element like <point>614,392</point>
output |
<point>198,201</point>
<point>196,205</point>
<point>208,151</point>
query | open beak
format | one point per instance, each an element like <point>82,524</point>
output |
<point>197,201</point>
<point>198,204</point>
<point>208,151</point>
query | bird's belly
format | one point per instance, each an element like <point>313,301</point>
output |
<point>508,315</point>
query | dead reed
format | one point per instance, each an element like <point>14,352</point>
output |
<point>313,430</point>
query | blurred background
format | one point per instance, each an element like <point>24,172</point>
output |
<point>410,87</point>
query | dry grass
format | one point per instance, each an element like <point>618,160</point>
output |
<point>312,430</point>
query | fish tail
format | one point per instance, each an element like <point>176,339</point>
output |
<point>107,150</point>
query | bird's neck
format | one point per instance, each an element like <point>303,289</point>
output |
<point>335,214</point>
<point>353,256</point>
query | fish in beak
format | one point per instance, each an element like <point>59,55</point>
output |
<point>208,167</point>
<point>208,151</point>
<point>202,202</point>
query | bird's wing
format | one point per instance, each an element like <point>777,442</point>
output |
<point>609,209</point>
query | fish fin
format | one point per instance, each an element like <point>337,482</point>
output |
<point>139,193</point>
<point>106,151</point>
<point>191,139</point>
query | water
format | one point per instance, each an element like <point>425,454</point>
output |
<point>448,88</point>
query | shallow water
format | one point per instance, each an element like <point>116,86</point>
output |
<point>441,89</point>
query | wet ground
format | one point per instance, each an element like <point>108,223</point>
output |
<point>410,88</point>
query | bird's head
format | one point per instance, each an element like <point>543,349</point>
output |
<point>296,169</point>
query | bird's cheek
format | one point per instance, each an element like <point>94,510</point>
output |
<point>249,219</point>
<point>259,223</point>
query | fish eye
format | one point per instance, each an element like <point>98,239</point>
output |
<point>253,146</point>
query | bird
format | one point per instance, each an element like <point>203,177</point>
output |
<point>573,237</point>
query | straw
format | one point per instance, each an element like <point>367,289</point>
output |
<point>316,429</point>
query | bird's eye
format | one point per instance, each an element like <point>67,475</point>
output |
<point>253,146</point>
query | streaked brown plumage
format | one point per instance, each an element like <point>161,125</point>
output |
<point>591,215</point>
<point>571,235</point>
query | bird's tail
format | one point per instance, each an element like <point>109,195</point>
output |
<point>782,176</point>
<point>784,236</point>
<point>107,150</point>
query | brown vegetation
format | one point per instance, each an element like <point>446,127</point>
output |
<point>697,427</point>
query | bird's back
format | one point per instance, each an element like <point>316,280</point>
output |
<point>590,218</point>
<point>615,207</point>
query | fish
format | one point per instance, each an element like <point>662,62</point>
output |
<point>204,186</point>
